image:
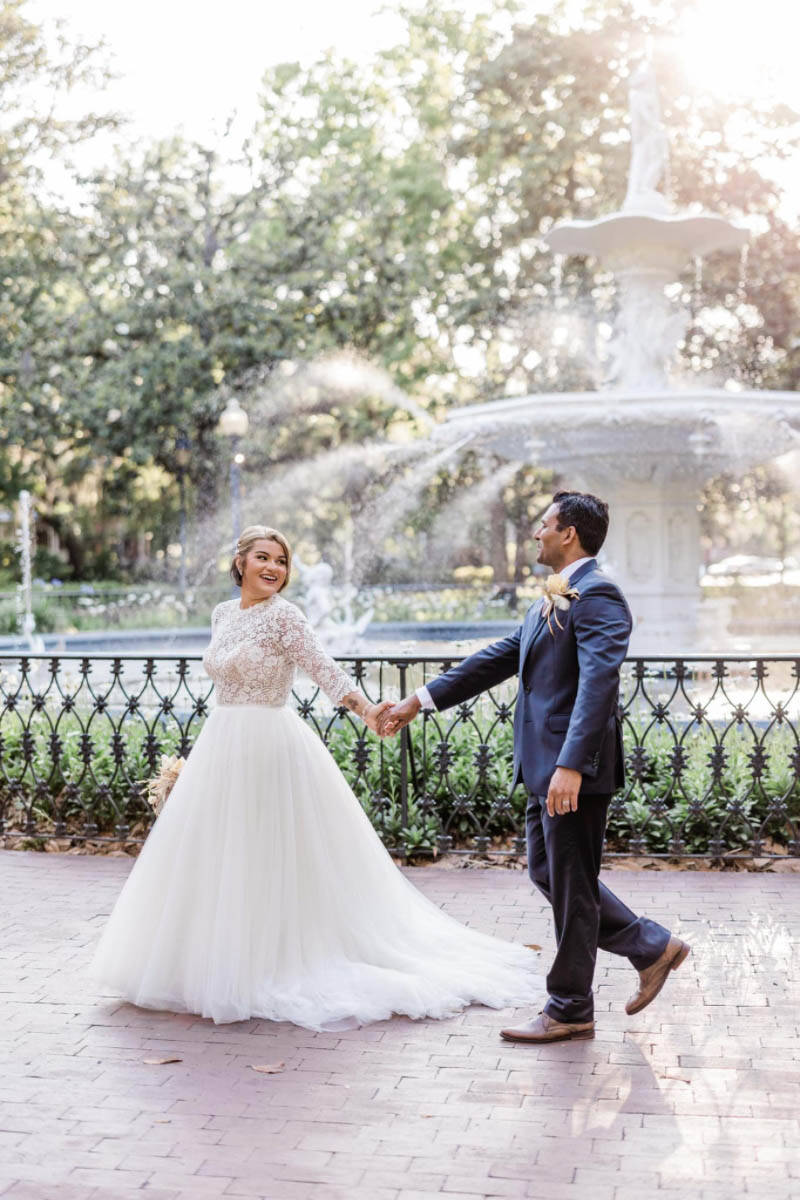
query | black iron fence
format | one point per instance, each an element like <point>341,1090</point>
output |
<point>712,748</point>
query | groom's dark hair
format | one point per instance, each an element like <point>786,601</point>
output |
<point>587,514</point>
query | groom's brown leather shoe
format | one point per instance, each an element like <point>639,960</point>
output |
<point>546,1029</point>
<point>653,978</point>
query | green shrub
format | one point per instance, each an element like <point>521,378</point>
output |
<point>712,790</point>
<point>705,792</point>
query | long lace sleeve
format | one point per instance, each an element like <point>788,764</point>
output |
<point>304,648</point>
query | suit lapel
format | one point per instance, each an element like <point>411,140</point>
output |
<point>533,629</point>
<point>538,623</point>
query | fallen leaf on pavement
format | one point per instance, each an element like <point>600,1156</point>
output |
<point>160,1062</point>
<point>268,1068</point>
<point>532,946</point>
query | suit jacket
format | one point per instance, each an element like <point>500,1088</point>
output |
<point>567,712</point>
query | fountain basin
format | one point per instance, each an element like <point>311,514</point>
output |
<point>648,453</point>
<point>638,434</point>
<point>378,638</point>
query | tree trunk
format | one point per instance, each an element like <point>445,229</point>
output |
<point>72,544</point>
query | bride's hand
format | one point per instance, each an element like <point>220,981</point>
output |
<point>374,712</point>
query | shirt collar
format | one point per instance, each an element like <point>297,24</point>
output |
<point>568,571</point>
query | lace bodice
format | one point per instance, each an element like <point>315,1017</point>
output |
<point>254,652</point>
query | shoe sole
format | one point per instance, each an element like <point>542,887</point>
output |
<point>583,1036</point>
<point>679,958</point>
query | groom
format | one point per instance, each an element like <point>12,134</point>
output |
<point>568,753</point>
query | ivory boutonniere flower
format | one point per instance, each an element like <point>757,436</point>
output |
<point>160,786</point>
<point>557,595</point>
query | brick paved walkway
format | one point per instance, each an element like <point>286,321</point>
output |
<point>695,1097</point>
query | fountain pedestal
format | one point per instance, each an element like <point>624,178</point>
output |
<point>653,549</point>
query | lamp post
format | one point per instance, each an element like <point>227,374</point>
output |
<point>183,455</point>
<point>233,424</point>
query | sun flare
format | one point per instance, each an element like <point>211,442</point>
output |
<point>737,48</point>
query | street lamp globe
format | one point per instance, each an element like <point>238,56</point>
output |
<point>233,421</point>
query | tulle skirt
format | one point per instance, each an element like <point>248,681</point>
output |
<point>263,891</point>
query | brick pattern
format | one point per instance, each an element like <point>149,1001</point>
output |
<point>696,1096</point>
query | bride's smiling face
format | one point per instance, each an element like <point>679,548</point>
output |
<point>263,570</point>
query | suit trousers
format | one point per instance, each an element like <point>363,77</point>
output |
<point>564,855</point>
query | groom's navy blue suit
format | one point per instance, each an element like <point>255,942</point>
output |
<point>567,715</point>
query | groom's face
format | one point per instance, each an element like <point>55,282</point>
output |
<point>551,540</point>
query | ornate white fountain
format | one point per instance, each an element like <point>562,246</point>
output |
<point>645,444</point>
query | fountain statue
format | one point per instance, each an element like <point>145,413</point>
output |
<point>644,443</point>
<point>649,144</point>
<point>330,608</point>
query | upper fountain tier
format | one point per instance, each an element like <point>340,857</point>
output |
<point>673,237</point>
<point>647,217</point>
<point>647,244</point>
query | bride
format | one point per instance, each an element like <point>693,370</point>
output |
<point>262,889</point>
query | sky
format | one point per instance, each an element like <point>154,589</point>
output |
<point>189,64</point>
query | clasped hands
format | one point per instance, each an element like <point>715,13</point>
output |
<point>386,719</point>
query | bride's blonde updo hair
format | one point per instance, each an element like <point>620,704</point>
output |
<point>248,538</point>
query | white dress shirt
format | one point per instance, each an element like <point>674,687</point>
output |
<point>422,693</point>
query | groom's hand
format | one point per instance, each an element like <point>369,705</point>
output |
<point>562,795</point>
<point>373,715</point>
<point>393,720</point>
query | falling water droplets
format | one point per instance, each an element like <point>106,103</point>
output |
<point>741,288</point>
<point>695,292</point>
<point>741,367</point>
<point>551,357</point>
<point>668,181</point>
<point>558,277</point>
<point>698,278</point>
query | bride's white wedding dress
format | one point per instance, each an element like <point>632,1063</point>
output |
<point>263,890</point>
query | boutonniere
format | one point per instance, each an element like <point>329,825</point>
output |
<point>557,595</point>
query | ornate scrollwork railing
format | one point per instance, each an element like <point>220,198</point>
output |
<point>712,749</point>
